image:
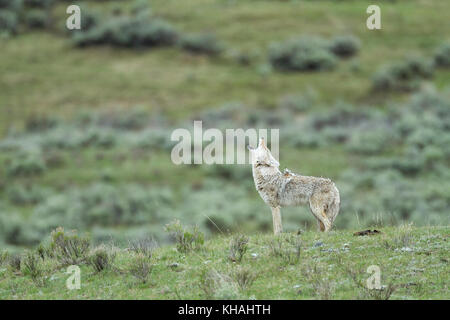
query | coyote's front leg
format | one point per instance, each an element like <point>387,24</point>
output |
<point>276,216</point>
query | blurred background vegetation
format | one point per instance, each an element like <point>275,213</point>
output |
<point>86,116</point>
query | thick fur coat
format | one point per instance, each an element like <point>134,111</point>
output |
<point>288,189</point>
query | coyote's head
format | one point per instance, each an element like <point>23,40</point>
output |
<point>262,156</point>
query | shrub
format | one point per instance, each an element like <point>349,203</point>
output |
<point>370,142</point>
<point>8,22</point>
<point>238,248</point>
<point>25,194</point>
<point>13,5</point>
<point>36,18</point>
<point>101,259</point>
<point>345,46</point>
<point>141,267</point>
<point>103,205</point>
<point>29,164</point>
<point>185,240</point>
<point>90,20</point>
<point>301,54</point>
<point>403,76</point>
<point>38,123</point>
<point>133,119</point>
<point>43,4</point>
<point>201,44</point>
<point>69,248</point>
<point>442,56</point>
<point>129,32</point>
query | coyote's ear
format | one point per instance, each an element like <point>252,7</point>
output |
<point>261,142</point>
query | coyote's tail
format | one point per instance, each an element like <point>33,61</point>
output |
<point>333,208</point>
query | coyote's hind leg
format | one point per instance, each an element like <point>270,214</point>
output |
<point>318,209</point>
<point>276,216</point>
<point>321,225</point>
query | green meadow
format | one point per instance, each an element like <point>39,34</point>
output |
<point>86,118</point>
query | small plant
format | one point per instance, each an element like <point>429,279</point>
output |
<point>144,246</point>
<point>69,248</point>
<point>244,277</point>
<point>238,248</point>
<point>201,44</point>
<point>141,267</point>
<point>101,259</point>
<point>186,240</point>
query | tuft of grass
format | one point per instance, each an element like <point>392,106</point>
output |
<point>218,285</point>
<point>402,239</point>
<point>244,276</point>
<point>287,248</point>
<point>144,246</point>
<point>323,287</point>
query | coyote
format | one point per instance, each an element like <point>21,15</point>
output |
<point>288,189</point>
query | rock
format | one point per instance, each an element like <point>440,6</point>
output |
<point>318,244</point>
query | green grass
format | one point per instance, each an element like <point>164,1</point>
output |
<point>44,73</point>
<point>412,260</point>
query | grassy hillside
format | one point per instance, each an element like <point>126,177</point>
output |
<point>413,264</point>
<point>85,130</point>
<point>43,73</point>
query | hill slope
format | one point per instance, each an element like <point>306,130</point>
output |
<point>413,264</point>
